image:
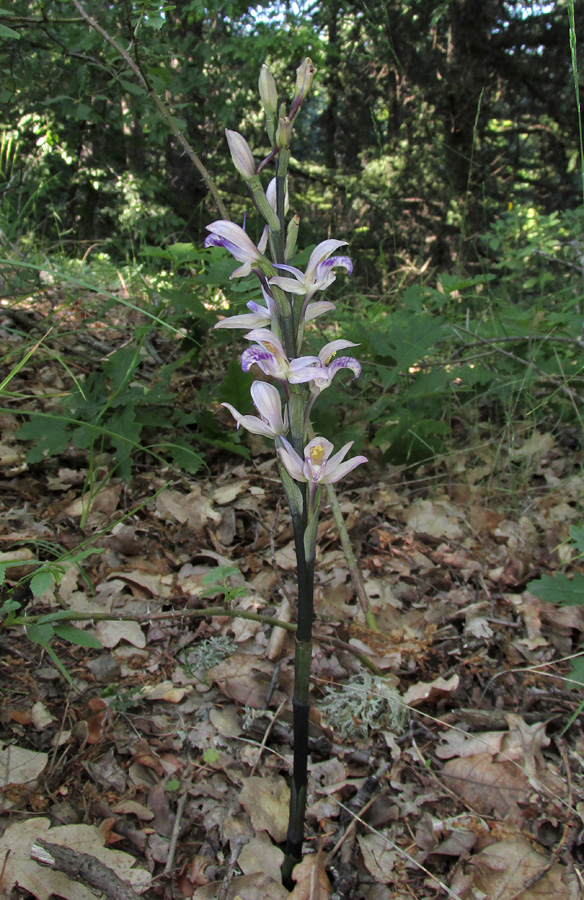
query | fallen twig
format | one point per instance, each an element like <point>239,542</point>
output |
<point>82,867</point>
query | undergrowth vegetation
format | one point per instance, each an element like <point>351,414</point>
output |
<point>448,359</point>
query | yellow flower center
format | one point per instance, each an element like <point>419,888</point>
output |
<point>317,454</point>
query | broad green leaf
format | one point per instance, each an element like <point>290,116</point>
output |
<point>559,589</point>
<point>185,457</point>
<point>577,538</point>
<point>577,672</point>
<point>121,365</point>
<point>216,576</point>
<point>40,634</point>
<point>41,582</point>
<point>211,756</point>
<point>130,86</point>
<point>50,438</point>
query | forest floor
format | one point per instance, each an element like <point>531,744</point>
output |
<point>168,758</point>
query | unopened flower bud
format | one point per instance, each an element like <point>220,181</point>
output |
<point>268,93</point>
<point>291,236</point>
<point>241,154</point>
<point>283,132</point>
<point>304,79</point>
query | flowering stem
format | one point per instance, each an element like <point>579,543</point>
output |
<point>303,467</point>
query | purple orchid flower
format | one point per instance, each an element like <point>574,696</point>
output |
<point>233,238</point>
<point>269,355</point>
<point>258,317</point>
<point>319,271</point>
<point>325,356</point>
<point>318,466</point>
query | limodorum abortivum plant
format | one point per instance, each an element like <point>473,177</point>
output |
<point>290,383</point>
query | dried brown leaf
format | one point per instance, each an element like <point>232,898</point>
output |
<point>510,868</point>
<point>247,887</point>
<point>19,765</point>
<point>311,880</point>
<point>379,856</point>
<point>266,802</point>
<point>485,785</point>
<point>422,691</point>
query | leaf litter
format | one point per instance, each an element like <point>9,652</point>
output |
<point>445,772</point>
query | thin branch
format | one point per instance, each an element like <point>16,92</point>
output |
<point>198,614</point>
<point>527,338</point>
<point>160,105</point>
<point>354,572</point>
<point>561,386</point>
<point>175,833</point>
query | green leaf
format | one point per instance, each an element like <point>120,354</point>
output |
<point>50,438</point>
<point>577,538</point>
<point>41,582</point>
<point>74,635</point>
<point>185,457</point>
<point>40,634</point>
<point>577,672</point>
<point>211,756</point>
<point>51,653</point>
<point>121,365</point>
<point>218,575</point>
<point>235,387</point>
<point>7,32</point>
<point>130,86</point>
<point>559,589</point>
